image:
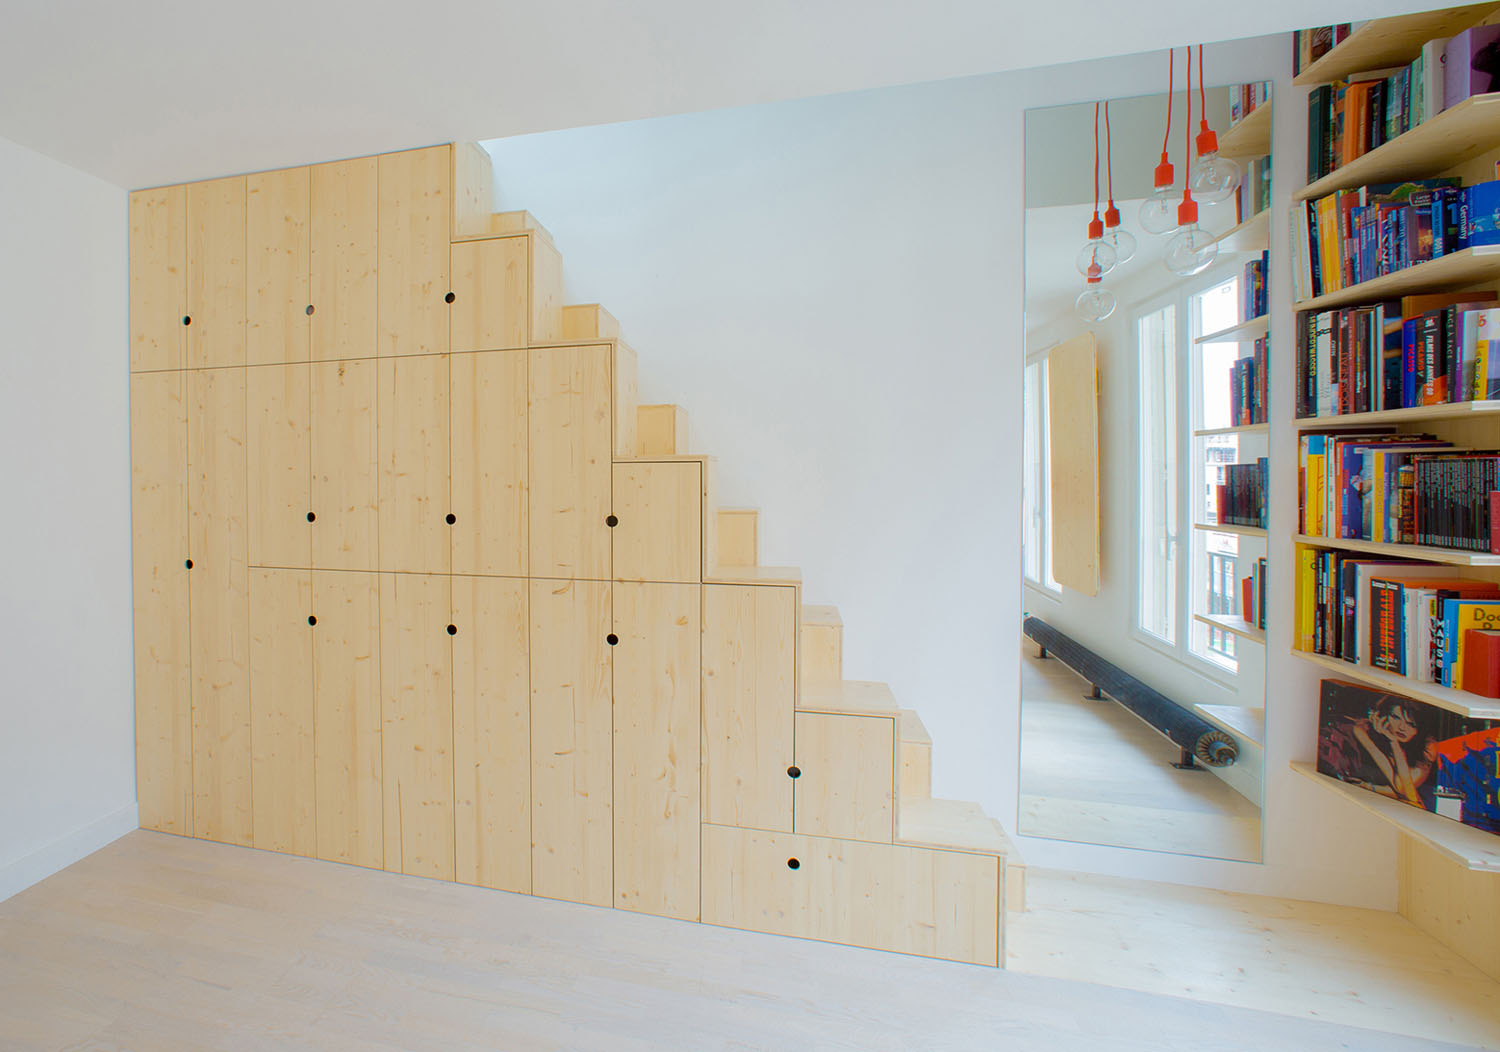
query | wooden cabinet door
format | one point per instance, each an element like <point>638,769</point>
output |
<point>345,456</point>
<point>488,462</point>
<point>749,683</point>
<point>657,748</point>
<point>216,272</point>
<point>218,596</point>
<point>158,278</point>
<point>569,453</point>
<point>344,253</point>
<point>412,279</point>
<point>571,749</point>
<point>492,733</point>
<point>278,465</point>
<point>277,261</point>
<point>346,718</point>
<point>416,685</point>
<point>412,431</point>
<point>848,765</point>
<point>282,791</point>
<point>658,535</point>
<point>491,293</point>
<point>159,551</point>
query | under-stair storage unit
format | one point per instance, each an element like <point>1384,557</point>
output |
<point>420,586</point>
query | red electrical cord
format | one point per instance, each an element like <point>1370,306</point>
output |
<point>1171,79</point>
<point>1109,156</point>
<point>1096,160</point>
<point>1187,123</point>
<point>1202,105</point>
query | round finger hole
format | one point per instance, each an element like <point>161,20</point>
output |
<point>612,639</point>
<point>792,863</point>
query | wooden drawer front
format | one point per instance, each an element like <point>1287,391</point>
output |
<point>848,773</point>
<point>886,897</point>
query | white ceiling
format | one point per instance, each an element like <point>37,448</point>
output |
<point>161,91</point>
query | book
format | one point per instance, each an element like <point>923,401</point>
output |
<point>1480,214</point>
<point>1471,62</point>
<point>1481,670</point>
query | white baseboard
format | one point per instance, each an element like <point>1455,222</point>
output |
<point>40,864</point>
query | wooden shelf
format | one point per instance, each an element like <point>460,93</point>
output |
<point>1459,701</point>
<point>1470,847</point>
<point>1237,626</point>
<point>1244,723</point>
<point>1244,531</point>
<point>1245,330</point>
<point>1451,556</point>
<point>1243,429</point>
<point>1449,139</point>
<point>1253,235</point>
<point>1396,41</point>
<point>1446,411</point>
<point>1469,267</point>
<point>1250,136</point>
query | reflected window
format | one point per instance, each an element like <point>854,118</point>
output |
<point>1156,341</point>
<point>1036,492</point>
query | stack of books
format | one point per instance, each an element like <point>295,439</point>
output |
<point>1253,288</point>
<point>1240,500</point>
<point>1253,595</point>
<point>1248,382</point>
<point>1309,45</point>
<point>1244,98</point>
<point>1254,194</point>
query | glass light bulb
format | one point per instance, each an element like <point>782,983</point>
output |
<point>1192,250</point>
<point>1096,253</point>
<point>1095,303</point>
<point>1123,242</point>
<point>1213,178</point>
<point>1159,212</point>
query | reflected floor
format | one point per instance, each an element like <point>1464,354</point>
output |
<point>1093,772</point>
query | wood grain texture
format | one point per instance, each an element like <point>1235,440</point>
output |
<point>345,465</point>
<point>216,272</point>
<point>348,763</point>
<point>907,899</point>
<point>279,463</point>
<point>473,189</point>
<point>572,827</point>
<point>277,266</point>
<point>158,278</point>
<point>412,278</point>
<point>283,791</point>
<point>1073,413</point>
<point>737,542</point>
<point>661,430</point>
<point>219,621</point>
<point>1458,907</point>
<point>749,685</point>
<point>821,642</point>
<point>627,398</point>
<point>159,548</point>
<point>848,776</point>
<point>491,291</point>
<point>345,252</point>
<point>657,748</point>
<point>492,733</point>
<point>413,431</point>
<point>659,535</point>
<point>569,453</point>
<point>416,711</point>
<point>588,321</point>
<point>489,462</point>
<point>546,291</point>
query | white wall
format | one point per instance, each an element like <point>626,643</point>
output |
<point>67,754</point>
<point>833,288</point>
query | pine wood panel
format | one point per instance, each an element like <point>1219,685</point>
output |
<point>489,462</point>
<point>569,454</point>
<point>1073,410</point>
<point>416,686</point>
<point>627,398</point>
<point>344,255</point>
<point>736,542</point>
<point>848,766</point>
<point>412,431</point>
<point>473,189</point>
<point>491,293</point>
<point>346,718</point>
<point>571,741</point>
<point>412,278</point>
<point>749,684</point>
<point>158,278</point>
<point>659,535</point>
<point>278,457</point>
<point>216,272</point>
<point>546,291</point>
<point>282,790</point>
<point>159,550</point>
<point>821,639</point>
<point>492,733</point>
<point>657,748</point>
<point>219,619</point>
<point>1457,906</point>
<point>887,897</point>
<point>277,266</point>
<point>661,430</point>
<point>345,466</point>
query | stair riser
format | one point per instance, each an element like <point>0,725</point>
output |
<point>822,654</point>
<point>661,431</point>
<point>588,321</point>
<point>738,538</point>
<point>916,770</point>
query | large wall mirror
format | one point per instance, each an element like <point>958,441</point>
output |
<point>1144,547</point>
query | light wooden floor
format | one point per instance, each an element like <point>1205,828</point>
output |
<point>1093,772</point>
<point>158,942</point>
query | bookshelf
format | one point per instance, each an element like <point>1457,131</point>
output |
<point>1236,626</point>
<point>1426,553</point>
<point>1394,41</point>
<point>1244,723</point>
<point>1242,429</point>
<point>1415,414</point>
<point>1250,136</point>
<point>1472,266</point>
<point>1469,847</point>
<point>1245,330</point>
<point>1229,527</point>
<point>1459,701</point>
<point>1251,236</point>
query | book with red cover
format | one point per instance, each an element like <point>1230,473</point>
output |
<point>1495,522</point>
<point>1481,674</point>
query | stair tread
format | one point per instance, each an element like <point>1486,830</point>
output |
<point>959,824</point>
<point>855,696</point>
<point>657,458</point>
<point>748,574</point>
<point>911,730</point>
<point>507,224</point>
<point>821,615</point>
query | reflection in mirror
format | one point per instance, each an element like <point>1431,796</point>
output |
<point>1143,647</point>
